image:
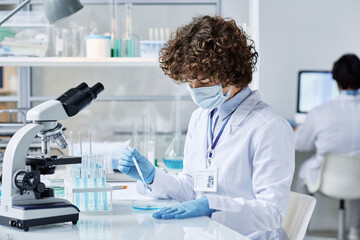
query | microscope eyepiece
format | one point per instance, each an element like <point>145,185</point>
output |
<point>97,88</point>
<point>75,99</point>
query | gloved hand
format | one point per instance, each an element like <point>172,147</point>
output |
<point>127,166</point>
<point>194,208</point>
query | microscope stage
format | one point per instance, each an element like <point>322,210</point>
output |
<point>48,161</point>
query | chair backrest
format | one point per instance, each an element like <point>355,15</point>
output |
<point>298,215</point>
<point>340,176</point>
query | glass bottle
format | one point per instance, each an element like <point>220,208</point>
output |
<point>174,153</point>
<point>130,40</point>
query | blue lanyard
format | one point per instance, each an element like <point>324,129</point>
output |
<point>214,143</point>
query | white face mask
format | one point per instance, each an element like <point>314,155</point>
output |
<point>208,97</point>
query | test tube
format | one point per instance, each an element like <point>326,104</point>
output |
<point>103,184</point>
<point>95,182</point>
<point>90,151</point>
<point>86,185</point>
<point>151,34</point>
<point>71,146</point>
<point>167,34</point>
<point>77,185</point>
<point>156,34</point>
<point>80,144</point>
<point>162,34</point>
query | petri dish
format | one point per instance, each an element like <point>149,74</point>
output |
<point>148,204</point>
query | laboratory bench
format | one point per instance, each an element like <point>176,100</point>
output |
<point>124,222</point>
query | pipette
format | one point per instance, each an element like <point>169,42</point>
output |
<point>139,171</point>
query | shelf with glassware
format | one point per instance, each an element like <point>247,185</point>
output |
<point>78,62</point>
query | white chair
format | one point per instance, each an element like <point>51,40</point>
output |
<point>298,215</point>
<point>339,179</point>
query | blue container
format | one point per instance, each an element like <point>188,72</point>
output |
<point>173,163</point>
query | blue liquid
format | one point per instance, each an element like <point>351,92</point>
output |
<point>147,205</point>
<point>174,163</point>
<point>115,164</point>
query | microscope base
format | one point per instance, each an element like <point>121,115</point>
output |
<point>21,219</point>
<point>26,224</point>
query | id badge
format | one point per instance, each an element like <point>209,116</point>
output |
<point>206,180</point>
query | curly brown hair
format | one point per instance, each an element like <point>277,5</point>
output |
<point>211,48</point>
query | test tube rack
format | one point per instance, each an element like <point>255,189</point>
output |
<point>93,199</point>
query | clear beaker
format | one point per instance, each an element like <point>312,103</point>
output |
<point>77,41</point>
<point>60,42</point>
<point>174,153</point>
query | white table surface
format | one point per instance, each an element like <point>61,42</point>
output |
<point>123,222</point>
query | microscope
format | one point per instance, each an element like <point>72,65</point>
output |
<point>26,201</point>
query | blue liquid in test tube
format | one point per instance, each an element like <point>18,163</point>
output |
<point>77,185</point>
<point>86,198</point>
<point>96,194</point>
<point>103,183</point>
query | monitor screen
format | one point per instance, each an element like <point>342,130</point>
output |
<point>315,88</point>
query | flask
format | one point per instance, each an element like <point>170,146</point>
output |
<point>174,153</point>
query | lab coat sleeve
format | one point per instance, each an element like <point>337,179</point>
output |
<point>273,168</point>
<point>180,187</point>
<point>168,186</point>
<point>305,134</point>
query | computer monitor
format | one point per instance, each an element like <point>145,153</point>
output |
<point>314,89</point>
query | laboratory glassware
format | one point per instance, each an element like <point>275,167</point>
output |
<point>174,153</point>
<point>77,41</point>
<point>115,40</point>
<point>86,185</point>
<point>148,204</point>
<point>60,42</point>
<point>149,138</point>
<point>130,41</point>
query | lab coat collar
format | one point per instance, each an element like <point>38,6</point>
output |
<point>245,108</point>
<point>230,105</point>
<point>237,117</point>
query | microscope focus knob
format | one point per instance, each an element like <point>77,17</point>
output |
<point>26,180</point>
<point>40,188</point>
<point>49,192</point>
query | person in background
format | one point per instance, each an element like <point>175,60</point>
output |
<point>239,154</point>
<point>334,128</point>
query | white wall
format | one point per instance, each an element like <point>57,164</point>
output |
<point>302,34</point>
<point>236,9</point>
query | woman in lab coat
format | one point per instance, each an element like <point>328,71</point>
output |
<point>239,153</point>
<point>334,128</point>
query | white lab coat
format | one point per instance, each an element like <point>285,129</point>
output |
<point>331,128</point>
<point>255,161</point>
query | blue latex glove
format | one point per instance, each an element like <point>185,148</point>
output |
<point>127,166</point>
<point>194,208</point>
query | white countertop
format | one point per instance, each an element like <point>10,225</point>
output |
<point>123,222</point>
